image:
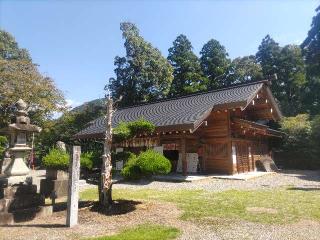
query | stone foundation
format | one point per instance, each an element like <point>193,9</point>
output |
<point>20,203</point>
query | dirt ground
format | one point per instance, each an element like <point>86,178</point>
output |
<point>129,213</point>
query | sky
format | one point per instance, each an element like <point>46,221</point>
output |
<point>75,42</point>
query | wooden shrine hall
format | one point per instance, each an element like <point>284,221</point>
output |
<point>222,131</point>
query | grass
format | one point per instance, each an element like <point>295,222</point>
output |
<point>287,205</point>
<point>144,232</point>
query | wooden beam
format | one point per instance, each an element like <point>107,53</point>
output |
<point>183,156</point>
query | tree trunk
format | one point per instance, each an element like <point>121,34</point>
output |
<point>105,186</point>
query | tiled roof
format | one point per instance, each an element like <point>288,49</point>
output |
<point>178,113</point>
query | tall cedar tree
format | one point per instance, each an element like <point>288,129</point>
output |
<point>287,63</point>
<point>214,63</point>
<point>188,76</point>
<point>20,78</point>
<point>311,51</point>
<point>143,74</point>
<point>244,69</point>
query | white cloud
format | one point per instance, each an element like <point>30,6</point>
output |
<point>72,103</point>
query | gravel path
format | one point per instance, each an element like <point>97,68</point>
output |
<point>130,213</point>
<point>298,179</point>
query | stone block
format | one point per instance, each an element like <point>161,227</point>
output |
<point>56,174</point>
<point>47,186</point>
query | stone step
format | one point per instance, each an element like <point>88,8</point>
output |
<point>24,215</point>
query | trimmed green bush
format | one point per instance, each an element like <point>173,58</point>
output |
<point>56,159</point>
<point>148,163</point>
<point>86,160</point>
<point>141,126</point>
<point>125,130</point>
<point>131,170</point>
<point>151,162</point>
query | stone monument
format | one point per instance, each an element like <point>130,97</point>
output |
<point>19,200</point>
<point>73,187</point>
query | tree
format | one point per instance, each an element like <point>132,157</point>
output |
<point>143,74</point>
<point>244,69</point>
<point>311,45</point>
<point>287,63</point>
<point>214,63</point>
<point>20,78</point>
<point>188,76</point>
<point>311,51</point>
<point>9,49</point>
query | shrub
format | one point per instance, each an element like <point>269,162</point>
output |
<point>86,160</point>
<point>151,162</point>
<point>56,159</point>
<point>299,148</point>
<point>131,170</point>
<point>121,156</point>
<point>148,163</point>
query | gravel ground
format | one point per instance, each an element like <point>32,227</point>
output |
<point>127,214</point>
<point>299,179</point>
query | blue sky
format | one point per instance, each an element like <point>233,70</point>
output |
<point>75,42</point>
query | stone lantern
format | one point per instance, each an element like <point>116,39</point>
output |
<point>17,170</point>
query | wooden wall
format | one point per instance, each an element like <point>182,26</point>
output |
<point>217,143</point>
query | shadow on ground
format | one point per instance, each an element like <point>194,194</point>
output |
<point>118,207</point>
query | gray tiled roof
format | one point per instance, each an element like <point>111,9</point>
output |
<point>183,112</point>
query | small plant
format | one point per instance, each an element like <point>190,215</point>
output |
<point>146,164</point>
<point>56,159</point>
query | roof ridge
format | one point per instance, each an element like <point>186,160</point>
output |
<point>195,94</point>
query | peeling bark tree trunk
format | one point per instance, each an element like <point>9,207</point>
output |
<point>105,186</point>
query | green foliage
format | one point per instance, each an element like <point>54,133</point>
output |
<point>244,69</point>
<point>188,76</point>
<point>127,130</point>
<point>288,64</point>
<point>9,49</point>
<point>87,160</point>
<point>143,74</point>
<point>152,162</point>
<point>63,128</point>
<point>3,144</point>
<point>145,232</point>
<point>146,164</point>
<point>141,126</point>
<point>315,134</point>
<point>131,170</point>
<point>56,159</point>
<point>214,63</point>
<point>122,156</point>
<point>121,132</point>
<point>311,45</point>
<point>40,92</point>
<point>300,145</point>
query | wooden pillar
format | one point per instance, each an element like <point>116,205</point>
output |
<point>183,156</point>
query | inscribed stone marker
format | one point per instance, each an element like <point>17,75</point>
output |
<point>73,187</point>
